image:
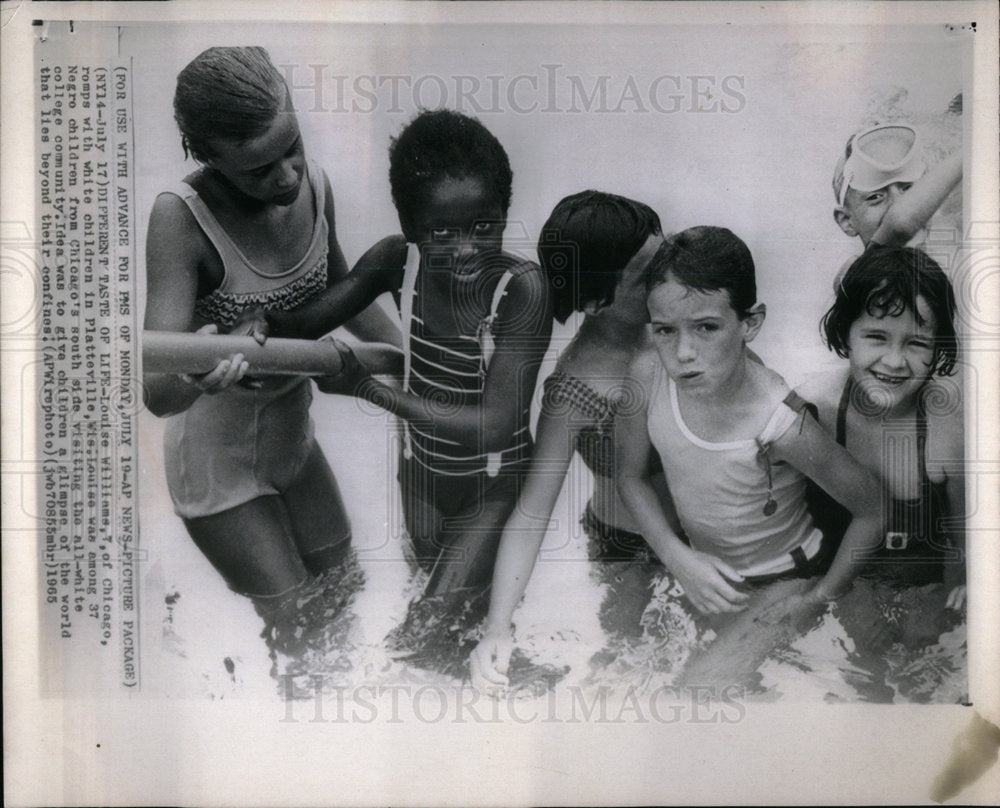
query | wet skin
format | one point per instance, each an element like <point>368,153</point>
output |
<point>891,356</point>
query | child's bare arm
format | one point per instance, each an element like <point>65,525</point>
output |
<point>519,545</point>
<point>345,297</point>
<point>823,390</point>
<point>913,210</point>
<point>945,464</point>
<point>703,577</point>
<point>509,385</point>
<point>817,455</point>
<point>380,358</point>
<point>632,449</point>
<point>372,324</point>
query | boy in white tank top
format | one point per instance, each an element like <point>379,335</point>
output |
<point>735,444</point>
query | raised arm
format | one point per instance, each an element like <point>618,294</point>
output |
<point>509,384</point>
<point>346,296</point>
<point>807,447</point>
<point>913,209</point>
<point>372,324</point>
<point>520,542</point>
<point>702,576</point>
<point>175,250</point>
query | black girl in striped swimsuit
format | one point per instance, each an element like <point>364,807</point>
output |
<point>476,323</point>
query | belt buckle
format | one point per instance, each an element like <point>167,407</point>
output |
<point>896,541</point>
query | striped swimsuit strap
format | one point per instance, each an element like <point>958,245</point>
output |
<point>464,373</point>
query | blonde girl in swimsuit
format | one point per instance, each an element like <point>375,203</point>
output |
<point>253,226</point>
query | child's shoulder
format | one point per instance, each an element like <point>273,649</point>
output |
<point>169,204</point>
<point>525,291</point>
<point>823,387</point>
<point>645,365</point>
<point>589,358</point>
<point>770,386</point>
<point>525,275</point>
<point>642,381</point>
<point>389,253</point>
<point>171,219</point>
<point>520,267</point>
<point>774,382</point>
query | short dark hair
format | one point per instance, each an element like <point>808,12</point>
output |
<point>588,240</point>
<point>440,144</point>
<point>707,259</point>
<point>885,282</point>
<point>229,94</point>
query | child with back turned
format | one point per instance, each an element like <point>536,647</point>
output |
<point>735,443</point>
<point>594,249</point>
<point>897,410</point>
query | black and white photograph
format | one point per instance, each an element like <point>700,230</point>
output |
<point>510,403</point>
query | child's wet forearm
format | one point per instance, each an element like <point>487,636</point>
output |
<point>380,358</point>
<point>332,309</point>
<point>283,324</point>
<point>307,322</point>
<point>641,499</point>
<point>515,562</point>
<point>863,535</point>
<point>471,426</point>
<point>166,394</point>
<point>374,325</point>
<point>914,209</point>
